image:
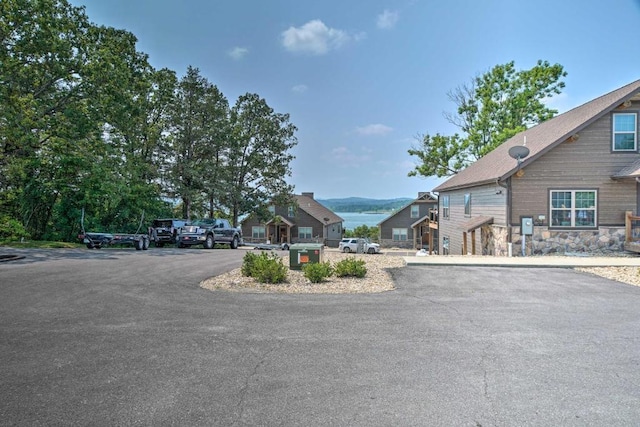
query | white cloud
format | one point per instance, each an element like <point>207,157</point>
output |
<point>299,88</point>
<point>313,37</point>
<point>374,129</point>
<point>387,20</point>
<point>237,53</point>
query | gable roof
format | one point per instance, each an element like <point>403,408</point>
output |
<point>423,197</point>
<point>498,165</point>
<point>316,209</point>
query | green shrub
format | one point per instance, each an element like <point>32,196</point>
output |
<point>11,229</point>
<point>248,263</point>
<point>317,272</point>
<point>268,268</point>
<point>351,267</point>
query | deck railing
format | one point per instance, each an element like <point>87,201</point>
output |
<point>433,218</point>
<point>632,228</point>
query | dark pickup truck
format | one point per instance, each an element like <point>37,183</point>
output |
<point>208,232</point>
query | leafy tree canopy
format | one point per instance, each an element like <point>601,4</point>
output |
<point>492,108</point>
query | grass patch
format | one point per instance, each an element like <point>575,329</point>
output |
<point>40,244</point>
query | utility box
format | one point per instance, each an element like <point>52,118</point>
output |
<point>305,253</point>
<point>526,226</point>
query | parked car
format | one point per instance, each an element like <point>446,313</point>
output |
<point>351,244</point>
<point>208,232</point>
<point>165,230</point>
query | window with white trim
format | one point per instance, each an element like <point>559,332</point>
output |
<point>258,232</point>
<point>625,132</point>
<point>272,209</point>
<point>291,212</point>
<point>415,211</point>
<point>305,232</point>
<point>445,206</point>
<point>400,234</point>
<point>445,245</point>
<point>573,208</point>
<point>467,204</point>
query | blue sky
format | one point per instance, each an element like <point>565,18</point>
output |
<point>362,78</point>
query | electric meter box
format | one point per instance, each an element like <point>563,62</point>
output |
<point>305,253</point>
<point>526,225</point>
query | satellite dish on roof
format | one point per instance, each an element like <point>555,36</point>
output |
<point>519,152</point>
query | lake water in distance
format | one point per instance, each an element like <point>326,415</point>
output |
<point>356,219</point>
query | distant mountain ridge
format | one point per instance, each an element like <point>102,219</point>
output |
<point>361,204</point>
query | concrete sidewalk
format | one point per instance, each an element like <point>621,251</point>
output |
<point>566,261</point>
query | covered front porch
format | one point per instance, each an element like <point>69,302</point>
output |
<point>425,232</point>
<point>278,230</point>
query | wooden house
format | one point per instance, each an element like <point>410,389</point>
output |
<point>304,221</point>
<point>410,227</point>
<point>571,193</point>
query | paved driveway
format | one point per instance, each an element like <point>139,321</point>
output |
<point>464,346</point>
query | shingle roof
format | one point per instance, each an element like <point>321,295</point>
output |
<point>631,171</point>
<point>317,210</point>
<point>498,165</point>
<point>423,197</point>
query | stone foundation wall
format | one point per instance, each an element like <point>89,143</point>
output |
<point>495,240</point>
<point>390,243</point>
<point>605,240</point>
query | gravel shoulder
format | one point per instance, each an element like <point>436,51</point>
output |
<point>628,275</point>
<point>377,279</point>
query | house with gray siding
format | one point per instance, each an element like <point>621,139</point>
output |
<point>409,227</point>
<point>304,221</point>
<point>570,193</point>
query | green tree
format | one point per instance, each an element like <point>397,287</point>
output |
<point>258,157</point>
<point>58,74</point>
<point>491,109</point>
<point>364,231</point>
<point>198,142</point>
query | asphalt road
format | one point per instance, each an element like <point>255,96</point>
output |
<point>119,337</point>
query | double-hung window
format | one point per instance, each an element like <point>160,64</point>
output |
<point>625,135</point>
<point>445,245</point>
<point>445,206</point>
<point>400,234</point>
<point>415,211</point>
<point>574,208</point>
<point>291,212</point>
<point>305,232</point>
<point>258,232</point>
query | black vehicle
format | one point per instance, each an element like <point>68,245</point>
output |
<point>164,231</point>
<point>208,232</point>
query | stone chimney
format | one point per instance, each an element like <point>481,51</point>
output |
<point>310,195</point>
